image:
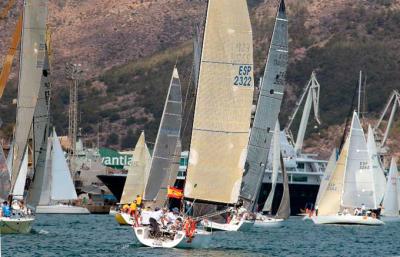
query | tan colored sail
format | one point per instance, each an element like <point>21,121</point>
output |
<point>33,44</point>
<point>330,201</point>
<point>223,104</point>
<point>137,172</point>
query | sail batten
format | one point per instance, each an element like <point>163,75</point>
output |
<point>268,107</point>
<point>223,105</point>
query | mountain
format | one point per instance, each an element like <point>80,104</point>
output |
<point>128,50</point>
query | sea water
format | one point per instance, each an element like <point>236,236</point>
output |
<point>100,235</point>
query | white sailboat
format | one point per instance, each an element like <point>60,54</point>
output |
<point>390,211</point>
<point>351,184</point>
<point>59,189</point>
<point>136,179</point>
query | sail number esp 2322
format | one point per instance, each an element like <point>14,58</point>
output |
<point>243,77</point>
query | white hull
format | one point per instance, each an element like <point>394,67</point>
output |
<point>390,218</point>
<point>346,220</point>
<point>16,225</point>
<point>201,239</point>
<point>113,212</point>
<point>242,225</point>
<point>268,222</point>
<point>61,209</point>
<point>124,218</point>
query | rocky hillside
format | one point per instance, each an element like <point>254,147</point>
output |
<point>128,50</point>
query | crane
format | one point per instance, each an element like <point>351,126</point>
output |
<point>311,90</point>
<point>392,104</point>
<point>5,73</point>
<point>6,9</point>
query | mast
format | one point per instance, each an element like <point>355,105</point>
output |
<point>268,107</point>
<point>359,92</point>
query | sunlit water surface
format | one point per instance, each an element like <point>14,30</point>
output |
<point>100,235</point>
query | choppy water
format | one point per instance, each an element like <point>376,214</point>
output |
<point>99,235</point>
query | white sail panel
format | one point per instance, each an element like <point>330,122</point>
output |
<point>379,175</point>
<point>391,201</point>
<point>330,202</point>
<point>5,183</point>
<point>276,151</point>
<point>327,176</point>
<point>137,172</point>
<point>62,186</point>
<point>19,187</point>
<point>359,187</point>
<point>223,105</point>
<point>9,160</point>
<point>31,68</point>
<point>167,139</point>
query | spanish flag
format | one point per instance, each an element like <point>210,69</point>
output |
<point>174,192</point>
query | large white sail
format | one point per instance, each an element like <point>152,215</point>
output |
<point>31,68</point>
<point>268,107</point>
<point>223,105</point>
<point>167,139</point>
<point>391,201</point>
<point>19,187</point>
<point>330,201</point>
<point>327,176</point>
<point>359,186</point>
<point>379,175</point>
<point>5,183</point>
<point>9,160</point>
<point>62,186</point>
<point>276,151</point>
<point>137,172</point>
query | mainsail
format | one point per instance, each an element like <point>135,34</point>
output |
<point>359,187</point>
<point>276,150</point>
<point>137,172</point>
<point>268,107</point>
<point>223,105</point>
<point>167,139</point>
<point>327,176</point>
<point>330,201</point>
<point>379,175</point>
<point>31,63</point>
<point>391,201</point>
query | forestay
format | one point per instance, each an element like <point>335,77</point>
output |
<point>137,172</point>
<point>223,105</point>
<point>167,138</point>
<point>31,68</point>
<point>359,187</point>
<point>268,107</point>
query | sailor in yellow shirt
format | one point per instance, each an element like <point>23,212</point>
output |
<point>125,208</point>
<point>139,201</point>
<point>132,208</point>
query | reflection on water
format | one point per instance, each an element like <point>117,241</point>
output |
<point>99,235</point>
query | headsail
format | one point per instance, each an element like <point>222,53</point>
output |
<point>268,107</point>
<point>5,183</point>
<point>379,175</point>
<point>284,207</point>
<point>31,68</point>
<point>391,201</point>
<point>19,187</point>
<point>223,105</point>
<point>276,150</point>
<point>327,176</point>
<point>359,187</point>
<point>137,172</point>
<point>62,186</point>
<point>167,138</point>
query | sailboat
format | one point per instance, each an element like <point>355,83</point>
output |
<point>221,122</point>
<point>136,179</point>
<point>351,184</point>
<point>58,188</point>
<point>390,204</point>
<point>31,90</point>
<point>284,207</point>
<point>268,107</point>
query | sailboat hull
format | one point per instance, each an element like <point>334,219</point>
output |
<point>201,239</point>
<point>346,220</point>
<point>16,225</point>
<point>242,225</point>
<point>61,209</point>
<point>268,222</point>
<point>123,219</point>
